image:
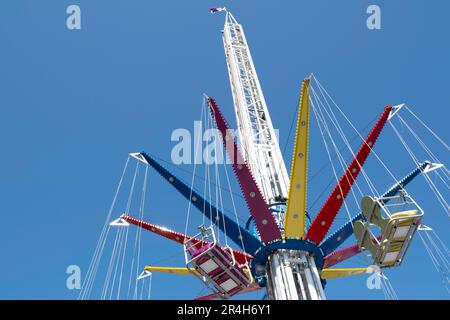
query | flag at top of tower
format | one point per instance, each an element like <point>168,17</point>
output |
<point>215,10</point>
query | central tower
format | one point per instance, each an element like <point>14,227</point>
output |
<point>257,136</point>
<point>290,274</point>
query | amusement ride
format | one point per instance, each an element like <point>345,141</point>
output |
<point>281,247</point>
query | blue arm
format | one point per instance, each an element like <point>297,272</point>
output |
<point>251,244</point>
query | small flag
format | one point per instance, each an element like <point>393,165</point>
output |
<point>215,10</point>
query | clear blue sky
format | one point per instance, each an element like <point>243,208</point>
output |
<point>75,103</point>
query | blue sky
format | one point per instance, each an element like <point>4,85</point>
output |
<point>75,103</point>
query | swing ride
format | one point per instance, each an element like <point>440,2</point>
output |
<point>280,250</point>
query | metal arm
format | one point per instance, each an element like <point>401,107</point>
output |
<point>342,255</point>
<point>241,257</point>
<point>328,212</point>
<point>171,270</point>
<point>342,273</point>
<point>233,230</point>
<point>294,219</point>
<point>265,222</point>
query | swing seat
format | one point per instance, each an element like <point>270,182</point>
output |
<point>397,231</point>
<point>217,268</point>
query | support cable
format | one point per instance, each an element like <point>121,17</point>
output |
<point>428,128</point>
<point>326,129</point>
<point>123,239</point>
<point>439,259</point>
<point>354,128</point>
<point>431,184</point>
<point>192,179</point>
<point>95,261</point>
<point>139,231</point>
<point>427,150</point>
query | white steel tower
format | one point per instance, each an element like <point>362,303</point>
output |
<point>255,130</point>
<point>291,274</point>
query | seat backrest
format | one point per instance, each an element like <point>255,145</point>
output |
<point>371,211</point>
<point>405,214</point>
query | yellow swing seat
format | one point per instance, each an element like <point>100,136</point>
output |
<point>397,231</point>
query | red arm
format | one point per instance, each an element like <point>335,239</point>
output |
<point>322,222</point>
<point>342,255</point>
<point>265,222</point>
<point>241,257</point>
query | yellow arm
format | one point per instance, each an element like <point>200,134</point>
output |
<point>341,273</point>
<point>294,221</point>
<point>173,270</point>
